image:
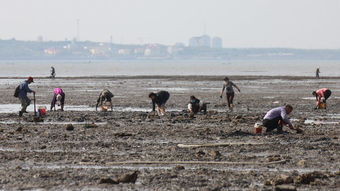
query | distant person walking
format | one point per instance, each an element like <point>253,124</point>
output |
<point>159,99</point>
<point>278,117</point>
<point>317,72</point>
<point>22,95</point>
<point>105,97</point>
<point>321,96</point>
<point>58,98</point>
<point>52,72</point>
<point>228,87</point>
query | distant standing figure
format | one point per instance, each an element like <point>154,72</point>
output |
<point>277,117</point>
<point>23,90</point>
<point>321,96</point>
<point>104,97</point>
<point>159,99</point>
<point>195,105</point>
<point>228,87</point>
<point>52,72</point>
<point>59,98</point>
<point>317,72</point>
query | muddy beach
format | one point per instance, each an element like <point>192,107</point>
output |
<point>84,149</point>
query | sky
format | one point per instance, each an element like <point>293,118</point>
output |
<point>311,24</point>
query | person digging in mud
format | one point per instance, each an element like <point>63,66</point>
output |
<point>159,99</point>
<point>104,97</point>
<point>321,97</point>
<point>59,98</point>
<point>228,87</point>
<point>23,89</point>
<point>195,106</point>
<point>277,117</point>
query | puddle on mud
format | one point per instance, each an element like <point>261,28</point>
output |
<point>118,153</point>
<point>268,97</point>
<point>167,167</point>
<point>14,108</point>
<point>170,89</point>
<point>313,98</point>
<point>321,120</point>
<point>53,122</point>
<point>317,122</point>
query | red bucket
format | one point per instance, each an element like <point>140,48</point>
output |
<point>258,130</point>
<point>42,111</point>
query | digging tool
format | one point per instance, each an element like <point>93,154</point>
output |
<point>36,117</point>
<point>35,110</point>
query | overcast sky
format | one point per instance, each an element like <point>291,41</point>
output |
<point>240,23</point>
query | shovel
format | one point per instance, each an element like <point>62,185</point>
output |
<point>36,117</point>
<point>35,110</point>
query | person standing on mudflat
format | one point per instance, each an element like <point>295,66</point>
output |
<point>52,72</point>
<point>23,90</point>
<point>159,99</point>
<point>228,87</point>
<point>317,72</point>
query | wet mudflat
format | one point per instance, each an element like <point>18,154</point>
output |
<point>84,149</point>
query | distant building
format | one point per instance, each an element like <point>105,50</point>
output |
<point>175,49</point>
<point>200,41</point>
<point>216,42</point>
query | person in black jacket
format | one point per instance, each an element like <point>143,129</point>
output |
<point>159,99</point>
<point>195,105</point>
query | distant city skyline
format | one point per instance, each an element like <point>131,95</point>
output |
<point>309,24</point>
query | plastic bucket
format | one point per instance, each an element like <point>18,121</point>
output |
<point>42,110</point>
<point>322,105</point>
<point>258,130</point>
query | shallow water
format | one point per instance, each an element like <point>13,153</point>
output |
<point>318,122</point>
<point>14,108</point>
<point>53,122</point>
<point>175,67</point>
<point>240,168</point>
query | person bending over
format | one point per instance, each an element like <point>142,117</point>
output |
<point>321,96</point>
<point>278,117</point>
<point>195,105</point>
<point>104,97</point>
<point>58,98</point>
<point>159,99</point>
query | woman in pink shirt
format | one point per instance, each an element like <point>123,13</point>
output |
<point>321,95</point>
<point>59,98</point>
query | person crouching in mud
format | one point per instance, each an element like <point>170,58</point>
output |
<point>104,98</point>
<point>228,87</point>
<point>277,117</point>
<point>195,106</point>
<point>321,96</point>
<point>59,98</point>
<point>159,99</point>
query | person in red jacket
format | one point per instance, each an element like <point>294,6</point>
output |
<point>321,96</point>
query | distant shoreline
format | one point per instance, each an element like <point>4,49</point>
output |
<point>187,77</point>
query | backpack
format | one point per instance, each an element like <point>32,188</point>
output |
<point>16,92</point>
